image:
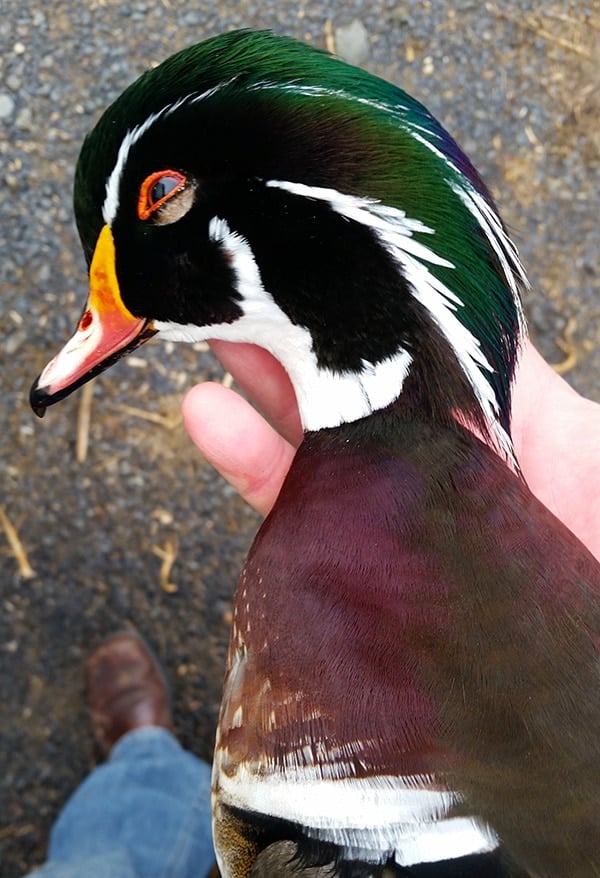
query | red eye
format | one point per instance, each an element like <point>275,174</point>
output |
<point>156,189</point>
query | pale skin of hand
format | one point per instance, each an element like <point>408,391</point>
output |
<point>556,434</point>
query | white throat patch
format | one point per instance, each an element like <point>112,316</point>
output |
<point>325,398</point>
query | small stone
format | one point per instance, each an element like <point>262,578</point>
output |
<point>352,42</point>
<point>19,48</point>
<point>43,274</point>
<point>14,340</point>
<point>7,106</point>
<point>24,119</point>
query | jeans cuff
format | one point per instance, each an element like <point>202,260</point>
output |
<point>146,741</point>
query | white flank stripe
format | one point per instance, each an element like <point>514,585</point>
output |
<point>369,819</point>
<point>325,398</point>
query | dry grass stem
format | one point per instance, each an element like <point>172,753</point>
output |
<point>569,347</point>
<point>329,36</point>
<point>540,31</point>
<point>169,422</point>
<point>16,546</point>
<point>84,418</point>
<point>168,556</point>
<point>16,830</point>
<point>588,20</point>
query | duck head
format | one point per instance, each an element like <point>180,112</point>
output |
<point>252,188</point>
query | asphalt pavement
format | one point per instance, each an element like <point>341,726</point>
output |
<point>136,529</point>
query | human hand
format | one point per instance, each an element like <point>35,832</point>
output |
<point>252,452</point>
<point>556,434</point>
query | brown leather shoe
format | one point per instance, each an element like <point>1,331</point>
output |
<point>125,689</point>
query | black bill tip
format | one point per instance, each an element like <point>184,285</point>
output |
<point>39,399</point>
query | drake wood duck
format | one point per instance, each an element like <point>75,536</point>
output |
<point>413,684</point>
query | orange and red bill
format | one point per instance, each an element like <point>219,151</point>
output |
<point>106,331</point>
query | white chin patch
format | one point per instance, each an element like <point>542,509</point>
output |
<point>325,398</point>
<point>178,332</point>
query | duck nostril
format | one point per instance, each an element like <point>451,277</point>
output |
<point>86,319</point>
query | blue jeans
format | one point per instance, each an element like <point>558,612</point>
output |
<point>143,814</point>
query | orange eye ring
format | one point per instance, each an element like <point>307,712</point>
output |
<point>153,195</point>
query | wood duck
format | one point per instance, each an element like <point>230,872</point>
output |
<point>412,685</point>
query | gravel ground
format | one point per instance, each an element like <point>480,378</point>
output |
<point>517,83</point>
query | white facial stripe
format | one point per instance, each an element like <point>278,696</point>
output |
<point>491,226</point>
<point>468,194</point>
<point>320,91</point>
<point>395,231</point>
<point>397,110</point>
<point>369,818</point>
<point>325,398</point>
<point>433,294</point>
<point>371,213</point>
<point>111,200</point>
<point>501,244</point>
